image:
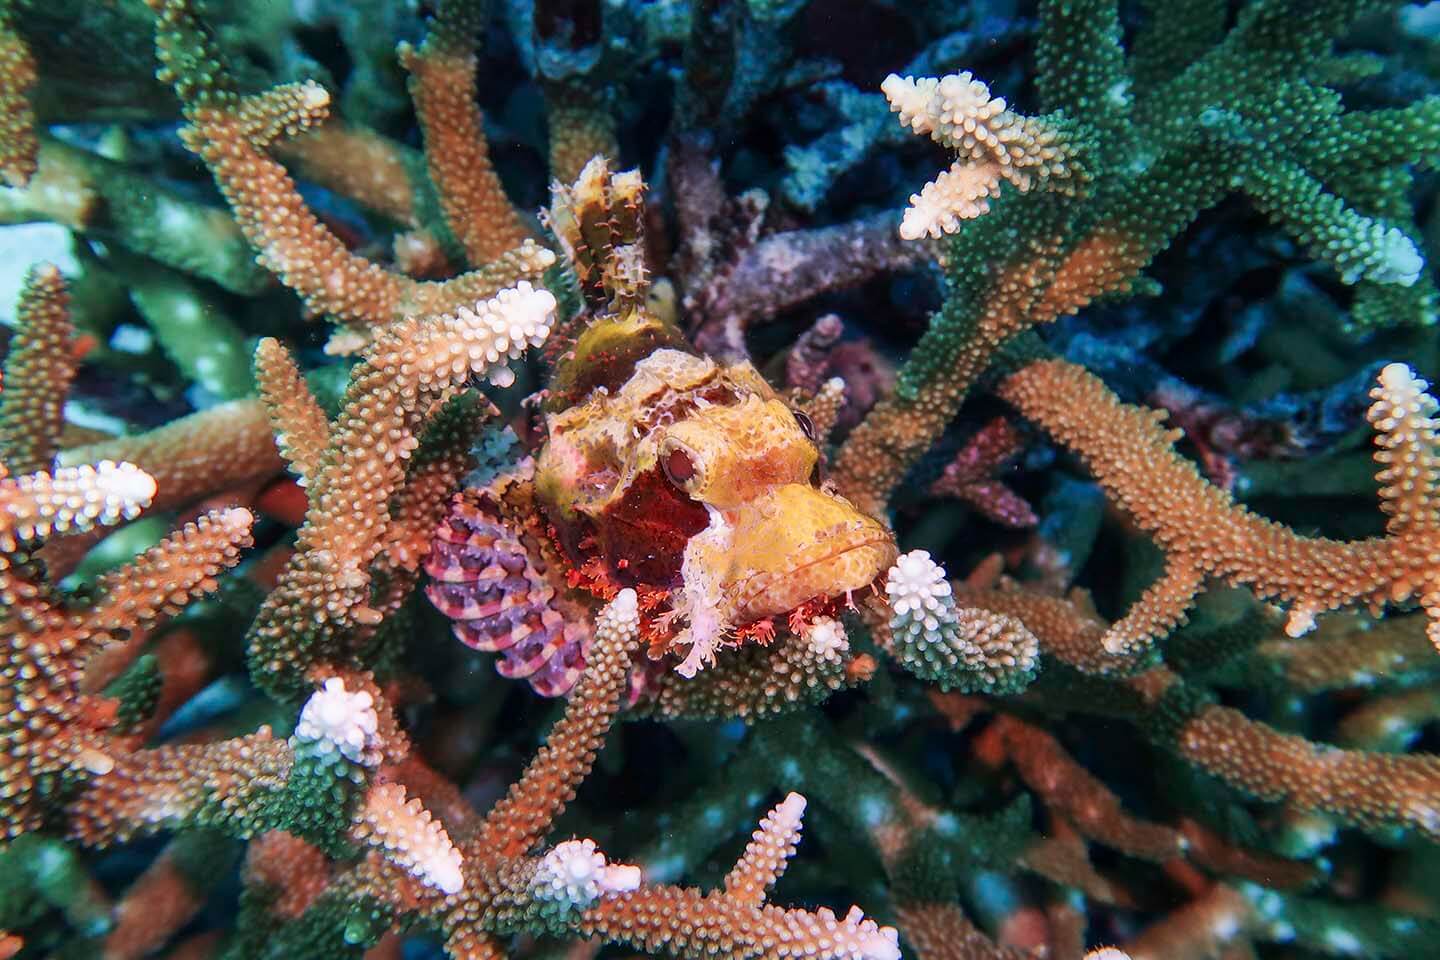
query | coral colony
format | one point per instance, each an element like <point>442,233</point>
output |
<point>477,479</point>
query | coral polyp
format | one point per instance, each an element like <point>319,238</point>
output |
<point>563,478</point>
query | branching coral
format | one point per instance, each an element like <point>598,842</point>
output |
<point>442,80</point>
<point>232,134</point>
<point>1205,534</point>
<point>655,524</point>
<point>351,520</point>
<point>18,74</point>
<point>1198,134</point>
<point>994,144</point>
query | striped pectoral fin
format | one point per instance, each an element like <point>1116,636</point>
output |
<point>483,578</point>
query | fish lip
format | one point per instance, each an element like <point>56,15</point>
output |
<point>881,539</point>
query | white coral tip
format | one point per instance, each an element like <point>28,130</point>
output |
<point>625,606</point>
<point>125,482</point>
<point>443,872</point>
<point>342,720</point>
<point>826,636</point>
<point>790,811</point>
<point>574,874</point>
<point>620,878</point>
<point>915,582</point>
<point>1397,376</point>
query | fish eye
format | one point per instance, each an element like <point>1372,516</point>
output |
<point>807,426</point>
<point>678,466</point>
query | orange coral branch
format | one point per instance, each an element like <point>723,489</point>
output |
<point>302,431</point>
<point>164,578</point>
<point>1220,918</point>
<point>19,146</point>
<point>1066,628</point>
<point>1047,280</point>
<point>1352,650</point>
<point>52,642</point>
<point>1358,787</point>
<point>1390,722</point>
<point>372,170</point>
<point>161,901</point>
<point>1368,789</point>
<point>411,366</point>
<point>1071,790</point>
<point>160,789</point>
<point>232,133</point>
<point>940,931</point>
<point>226,446</point>
<point>38,371</point>
<point>524,816</point>
<point>1204,532</point>
<point>295,872</point>
<point>768,853</point>
<point>660,918</point>
<point>70,500</point>
<point>442,85</point>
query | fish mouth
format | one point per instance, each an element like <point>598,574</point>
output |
<point>827,561</point>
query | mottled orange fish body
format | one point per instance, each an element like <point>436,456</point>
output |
<point>695,477</point>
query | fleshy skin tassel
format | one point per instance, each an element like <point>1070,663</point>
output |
<point>533,479</point>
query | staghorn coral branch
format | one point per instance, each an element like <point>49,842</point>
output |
<point>231,133</point>
<point>941,931</point>
<point>440,464</point>
<point>684,921</point>
<point>755,681</point>
<point>580,126</point>
<point>116,203</point>
<point>171,786</point>
<point>226,446</point>
<point>251,784</point>
<point>409,368</point>
<point>167,896</point>
<point>993,142</point>
<point>39,368</point>
<point>442,85</point>
<point>970,476</point>
<point>137,595</point>
<point>1071,790</point>
<point>1069,629</point>
<point>958,648</point>
<point>524,816</point>
<point>18,143</point>
<point>1365,789</point>
<point>1204,532</point>
<point>1352,650</point>
<point>466,943</point>
<point>294,872</point>
<point>768,853</point>
<point>1390,722</point>
<point>405,831</point>
<point>374,171</point>
<point>1359,787</point>
<point>302,431</point>
<point>164,578</point>
<point>70,500</point>
<point>51,732</point>
<point>1049,278</point>
<point>1219,918</point>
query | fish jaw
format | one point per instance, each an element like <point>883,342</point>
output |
<point>794,543</point>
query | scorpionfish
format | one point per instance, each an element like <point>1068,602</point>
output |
<point>661,469</point>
